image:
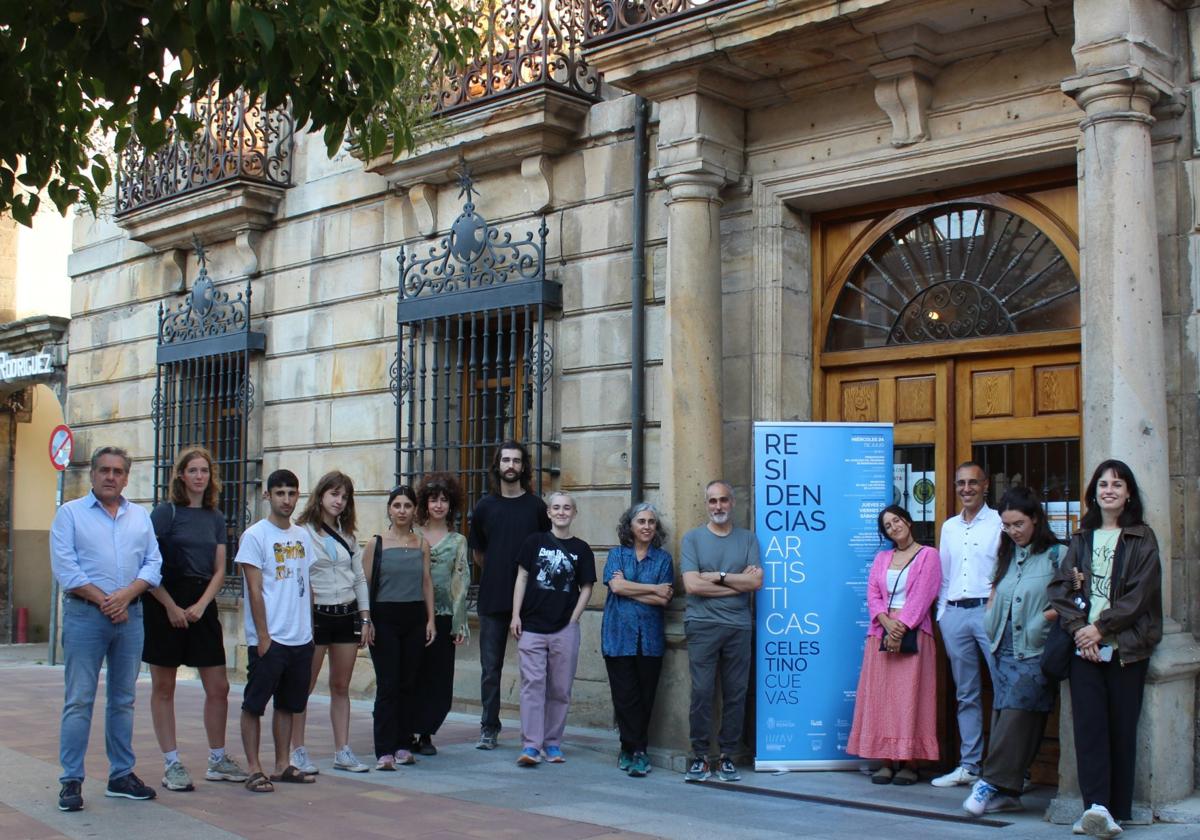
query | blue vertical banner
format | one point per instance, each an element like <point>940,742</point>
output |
<point>818,490</point>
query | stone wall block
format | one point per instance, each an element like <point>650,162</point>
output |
<point>293,242</point>
<point>600,282</point>
<point>608,170</point>
<point>362,418</point>
<point>599,457</point>
<point>366,226</point>
<point>350,277</point>
<point>737,329</point>
<point>333,232</point>
<point>1173,346</point>
<point>285,290</point>
<point>591,662</point>
<point>362,463</point>
<point>289,378</point>
<point>134,359</point>
<point>292,332</point>
<point>360,320</point>
<point>738,463</point>
<point>599,511</point>
<point>596,398</point>
<point>293,425</point>
<point>610,117</point>
<point>352,369</point>
<point>594,340</point>
<point>737,387</point>
<point>569,180</point>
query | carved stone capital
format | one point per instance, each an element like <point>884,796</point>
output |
<point>694,186</point>
<point>1122,99</point>
<point>903,89</point>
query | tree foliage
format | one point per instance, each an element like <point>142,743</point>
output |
<point>75,71</point>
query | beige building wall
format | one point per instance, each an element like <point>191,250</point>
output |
<point>36,483</point>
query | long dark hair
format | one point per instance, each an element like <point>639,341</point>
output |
<point>1132,515</point>
<point>314,515</point>
<point>1024,501</point>
<point>526,478</point>
<point>895,510</point>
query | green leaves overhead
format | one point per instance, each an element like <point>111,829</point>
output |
<point>76,73</point>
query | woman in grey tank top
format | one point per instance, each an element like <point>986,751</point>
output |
<point>397,566</point>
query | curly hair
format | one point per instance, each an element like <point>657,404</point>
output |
<point>179,494</point>
<point>439,484</point>
<point>625,525</point>
<point>313,514</point>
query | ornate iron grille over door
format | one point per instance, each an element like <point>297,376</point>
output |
<point>204,396</point>
<point>473,359</point>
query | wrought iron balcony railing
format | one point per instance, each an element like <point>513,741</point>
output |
<point>237,141</point>
<point>525,44</point>
<point>609,19</point>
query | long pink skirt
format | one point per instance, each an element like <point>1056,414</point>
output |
<point>895,711</point>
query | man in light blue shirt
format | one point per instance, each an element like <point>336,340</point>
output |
<point>104,555</point>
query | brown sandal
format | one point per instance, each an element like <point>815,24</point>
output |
<point>259,783</point>
<point>907,776</point>
<point>293,775</point>
<point>882,776</point>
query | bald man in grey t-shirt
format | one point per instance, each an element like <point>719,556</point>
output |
<point>720,571</point>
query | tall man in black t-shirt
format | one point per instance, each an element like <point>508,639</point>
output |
<point>499,525</point>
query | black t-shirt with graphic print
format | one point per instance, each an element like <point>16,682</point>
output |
<point>557,569</point>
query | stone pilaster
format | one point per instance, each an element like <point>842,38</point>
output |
<point>691,430</point>
<point>1124,397</point>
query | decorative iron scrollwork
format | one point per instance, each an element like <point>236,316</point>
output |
<point>540,361</point>
<point>472,255</point>
<point>524,44</point>
<point>238,139</point>
<point>955,271</point>
<point>206,312</point>
<point>605,19</point>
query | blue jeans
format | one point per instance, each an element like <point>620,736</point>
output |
<point>88,639</point>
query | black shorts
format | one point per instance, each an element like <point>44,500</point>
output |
<point>336,629</point>
<point>283,674</point>
<point>199,645</point>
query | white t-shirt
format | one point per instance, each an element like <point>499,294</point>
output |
<point>284,557</point>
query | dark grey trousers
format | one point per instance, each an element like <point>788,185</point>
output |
<point>1016,736</point>
<point>712,649</point>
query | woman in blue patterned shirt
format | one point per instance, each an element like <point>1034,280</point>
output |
<point>640,579</point>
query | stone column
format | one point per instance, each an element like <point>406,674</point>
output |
<point>691,433</point>
<point>1124,402</point>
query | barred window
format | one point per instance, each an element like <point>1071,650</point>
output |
<point>204,395</point>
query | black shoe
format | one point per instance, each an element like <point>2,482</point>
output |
<point>70,798</point>
<point>425,746</point>
<point>129,787</point>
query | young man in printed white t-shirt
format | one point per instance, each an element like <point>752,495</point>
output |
<point>274,557</point>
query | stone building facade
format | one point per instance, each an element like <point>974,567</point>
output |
<point>814,170</point>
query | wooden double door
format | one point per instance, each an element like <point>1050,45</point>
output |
<point>1016,413</point>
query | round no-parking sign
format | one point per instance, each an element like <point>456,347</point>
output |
<point>61,444</point>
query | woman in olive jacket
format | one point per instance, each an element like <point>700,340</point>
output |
<point>1116,620</point>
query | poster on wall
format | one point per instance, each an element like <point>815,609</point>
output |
<point>818,490</point>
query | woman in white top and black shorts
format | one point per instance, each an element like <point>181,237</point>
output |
<point>341,614</point>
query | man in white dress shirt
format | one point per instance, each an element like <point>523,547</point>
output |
<point>968,548</point>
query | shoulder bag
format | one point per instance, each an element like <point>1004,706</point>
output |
<point>908,643</point>
<point>1059,646</point>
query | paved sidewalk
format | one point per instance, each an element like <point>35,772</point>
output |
<point>460,793</point>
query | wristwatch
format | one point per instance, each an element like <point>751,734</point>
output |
<point>722,580</point>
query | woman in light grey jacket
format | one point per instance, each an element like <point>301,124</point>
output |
<point>341,611</point>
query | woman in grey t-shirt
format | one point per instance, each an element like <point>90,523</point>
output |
<point>401,590</point>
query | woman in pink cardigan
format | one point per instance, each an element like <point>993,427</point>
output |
<point>895,711</point>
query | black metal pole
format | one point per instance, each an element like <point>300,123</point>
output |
<point>641,120</point>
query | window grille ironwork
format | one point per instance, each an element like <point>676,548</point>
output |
<point>606,20</point>
<point>955,271</point>
<point>238,140</point>
<point>204,396</point>
<point>525,44</point>
<point>474,359</point>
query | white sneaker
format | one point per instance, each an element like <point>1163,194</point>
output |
<point>1098,822</point>
<point>1001,803</point>
<point>981,796</point>
<point>957,776</point>
<point>1077,827</point>
<point>345,759</point>
<point>302,763</point>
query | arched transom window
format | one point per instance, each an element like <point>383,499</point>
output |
<point>955,271</point>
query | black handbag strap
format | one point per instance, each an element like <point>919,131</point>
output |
<point>321,526</point>
<point>892,597</point>
<point>376,564</point>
